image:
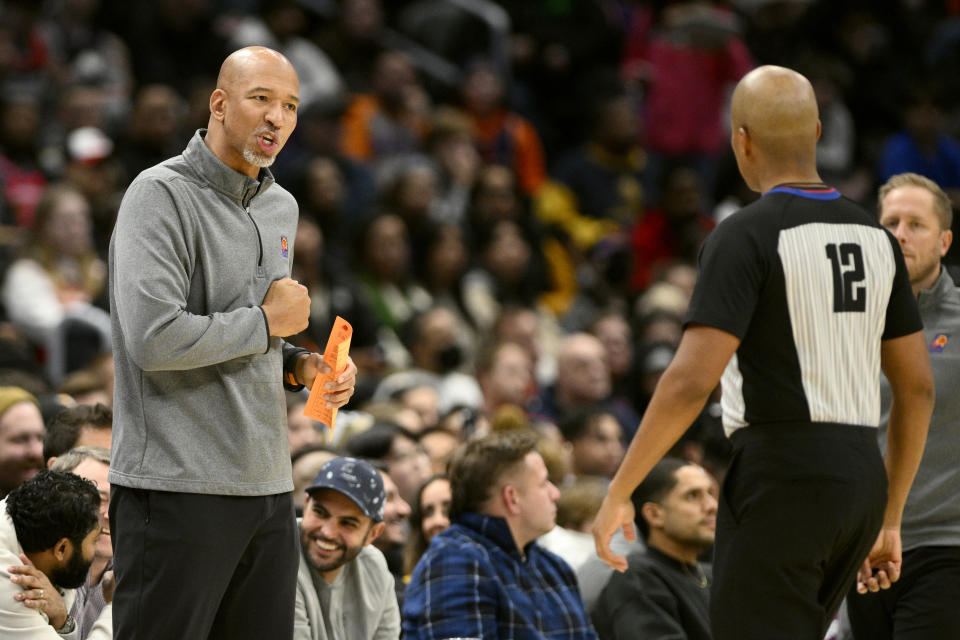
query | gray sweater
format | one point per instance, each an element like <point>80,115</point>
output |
<point>198,399</point>
<point>932,513</point>
<point>361,604</point>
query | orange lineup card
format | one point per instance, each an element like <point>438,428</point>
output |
<point>335,355</point>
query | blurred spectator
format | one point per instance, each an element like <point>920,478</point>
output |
<point>613,329</point>
<point>51,291</point>
<point>87,387</point>
<point>442,267</point>
<point>322,198</point>
<point>332,293</point>
<point>923,146</point>
<point>339,200</point>
<point>18,363</point>
<point>502,136</point>
<point>466,422</point>
<point>409,190</point>
<point>439,443</point>
<point>407,398</point>
<point>21,178</point>
<point>80,105</point>
<point>390,120</point>
<point>96,593</point>
<point>396,412</point>
<point>673,230</point>
<point>578,504</point>
<point>583,380</point>
<point>92,168</point>
<point>21,438</point>
<point>687,55</point>
<point>386,282</point>
<point>429,515</point>
<point>86,53</point>
<point>396,514</point>
<point>594,436</point>
<point>660,312</point>
<point>400,453</point>
<point>535,331</point>
<point>505,375</point>
<point>653,357</point>
<point>871,45</point>
<point>172,42</point>
<point>354,41</point>
<point>497,198</point>
<point>599,187</point>
<point>837,144</point>
<point>439,346</point>
<point>558,50</point>
<point>79,426</point>
<point>510,267</point>
<point>282,25</point>
<point>26,63</point>
<point>153,130</point>
<point>302,432</point>
<point>450,145</point>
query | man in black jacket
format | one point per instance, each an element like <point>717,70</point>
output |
<point>665,592</point>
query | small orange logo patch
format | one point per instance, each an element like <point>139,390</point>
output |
<point>939,342</point>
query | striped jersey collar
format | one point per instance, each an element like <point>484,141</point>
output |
<point>814,192</point>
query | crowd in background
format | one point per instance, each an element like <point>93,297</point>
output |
<point>505,200</point>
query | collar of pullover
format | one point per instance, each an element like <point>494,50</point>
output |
<point>234,184</point>
<point>930,298</point>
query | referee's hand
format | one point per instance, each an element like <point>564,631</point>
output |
<point>612,516</point>
<point>882,566</point>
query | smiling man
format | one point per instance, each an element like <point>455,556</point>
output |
<point>92,598</point>
<point>200,299</point>
<point>21,438</point>
<point>49,528</point>
<point>344,589</point>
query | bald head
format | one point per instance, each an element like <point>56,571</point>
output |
<point>252,61</point>
<point>253,110</point>
<point>582,372</point>
<point>777,109</point>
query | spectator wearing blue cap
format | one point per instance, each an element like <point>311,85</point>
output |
<point>344,589</point>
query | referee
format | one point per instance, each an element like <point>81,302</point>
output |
<point>801,299</point>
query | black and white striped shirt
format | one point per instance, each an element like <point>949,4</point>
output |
<point>811,284</point>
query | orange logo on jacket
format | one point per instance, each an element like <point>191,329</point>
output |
<point>939,342</point>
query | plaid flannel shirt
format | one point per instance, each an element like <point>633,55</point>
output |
<point>473,582</point>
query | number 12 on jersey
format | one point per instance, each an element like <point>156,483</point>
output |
<point>846,259</point>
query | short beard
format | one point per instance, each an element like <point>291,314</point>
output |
<point>349,553</point>
<point>258,159</point>
<point>73,575</point>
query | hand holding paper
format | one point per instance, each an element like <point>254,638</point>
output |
<point>336,357</point>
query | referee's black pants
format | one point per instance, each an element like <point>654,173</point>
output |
<point>800,508</point>
<point>195,566</point>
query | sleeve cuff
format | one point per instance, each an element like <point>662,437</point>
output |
<point>290,356</point>
<point>266,325</point>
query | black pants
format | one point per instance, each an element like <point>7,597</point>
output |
<point>800,508</point>
<point>923,605</point>
<point>193,566</point>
